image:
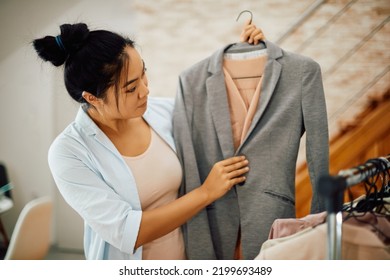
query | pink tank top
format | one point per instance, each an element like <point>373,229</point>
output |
<point>158,175</point>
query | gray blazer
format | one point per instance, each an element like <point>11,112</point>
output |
<point>292,102</point>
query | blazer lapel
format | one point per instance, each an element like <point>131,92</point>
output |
<point>271,76</point>
<point>216,93</point>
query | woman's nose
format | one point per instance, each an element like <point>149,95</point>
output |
<point>144,90</point>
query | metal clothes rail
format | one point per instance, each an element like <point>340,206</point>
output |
<point>332,189</point>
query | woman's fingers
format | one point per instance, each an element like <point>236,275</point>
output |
<point>237,180</point>
<point>251,34</point>
<point>224,175</point>
<point>244,35</point>
<point>238,172</point>
<point>234,167</point>
<point>232,160</point>
<point>237,165</point>
<point>255,36</point>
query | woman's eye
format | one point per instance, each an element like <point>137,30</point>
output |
<point>131,90</point>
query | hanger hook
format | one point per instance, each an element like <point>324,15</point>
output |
<point>245,11</point>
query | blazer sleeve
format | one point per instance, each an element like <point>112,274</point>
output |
<point>182,127</point>
<point>316,126</point>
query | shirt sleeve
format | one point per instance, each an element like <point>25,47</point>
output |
<point>86,191</point>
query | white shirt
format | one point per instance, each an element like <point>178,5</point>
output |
<point>96,182</point>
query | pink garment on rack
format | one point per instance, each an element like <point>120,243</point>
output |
<point>378,224</point>
<point>360,241</point>
<point>285,227</point>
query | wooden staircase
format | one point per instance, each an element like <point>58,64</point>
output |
<point>349,39</point>
<point>365,137</point>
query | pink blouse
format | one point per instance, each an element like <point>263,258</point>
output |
<point>243,79</point>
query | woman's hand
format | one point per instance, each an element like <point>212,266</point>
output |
<point>224,175</point>
<point>159,221</point>
<point>251,34</point>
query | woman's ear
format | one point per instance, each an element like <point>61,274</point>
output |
<point>90,98</point>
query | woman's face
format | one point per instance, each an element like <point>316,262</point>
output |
<point>133,91</point>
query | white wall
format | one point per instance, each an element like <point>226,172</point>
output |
<point>25,104</point>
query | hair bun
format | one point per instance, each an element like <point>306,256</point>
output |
<point>74,36</point>
<point>58,49</point>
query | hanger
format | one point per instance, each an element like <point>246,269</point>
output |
<point>243,47</point>
<point>374,202</point>
<point>376,187</point>
<point>245,11</point>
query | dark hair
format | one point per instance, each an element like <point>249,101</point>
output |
<point>94,60</point>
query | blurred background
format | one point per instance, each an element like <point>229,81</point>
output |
<point>350,39</point>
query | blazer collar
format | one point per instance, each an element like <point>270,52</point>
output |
<point>216,59</point>
<point>216,89</point>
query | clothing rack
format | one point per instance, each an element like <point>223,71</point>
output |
<point>332,189</point>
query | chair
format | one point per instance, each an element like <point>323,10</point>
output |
<point>5,190</point>
<point>30,239</point>
<point>4,179</point>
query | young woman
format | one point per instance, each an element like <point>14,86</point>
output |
<point>116,163</point>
